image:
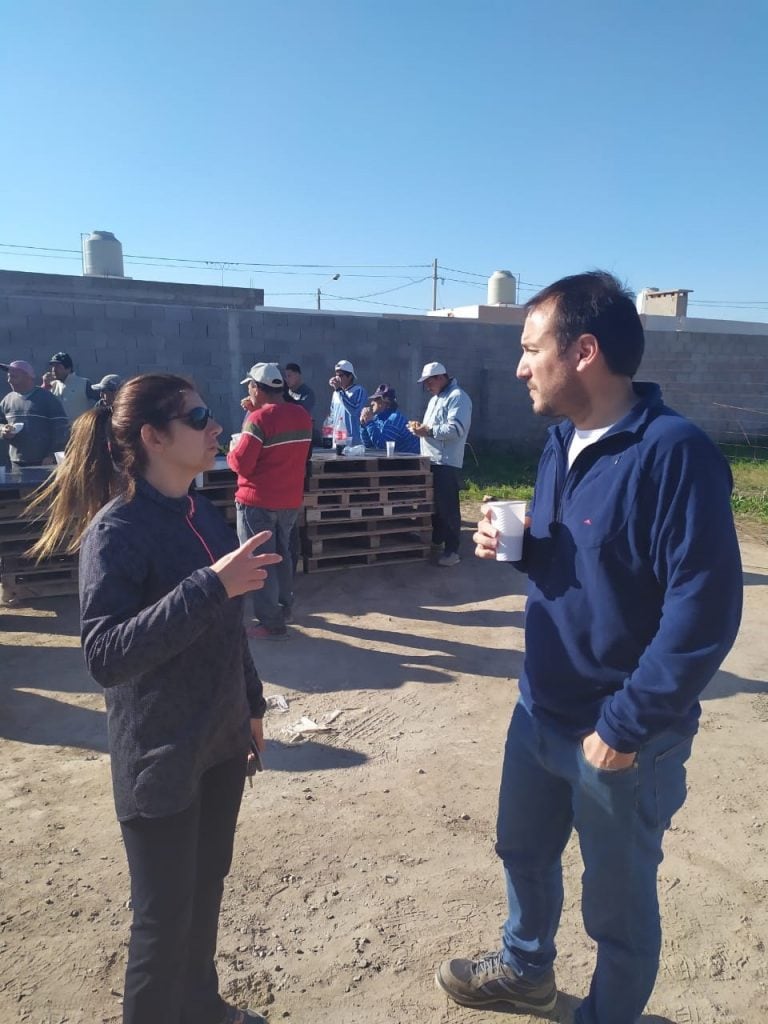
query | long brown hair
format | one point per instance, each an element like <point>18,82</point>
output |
<point>103,458</point>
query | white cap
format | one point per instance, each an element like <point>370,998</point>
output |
<point>345,366</point>
<point>432,370</point>
<point>265,373</point>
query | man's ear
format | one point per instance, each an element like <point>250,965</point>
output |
<point>587,350</point>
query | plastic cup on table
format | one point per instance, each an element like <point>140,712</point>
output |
<point>509,519</point>
<point>390,449</point>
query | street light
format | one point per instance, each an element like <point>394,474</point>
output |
<point>319,293</point>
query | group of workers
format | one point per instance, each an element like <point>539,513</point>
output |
<point>35,418</point>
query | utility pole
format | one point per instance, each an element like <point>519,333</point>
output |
<point>318,298</point>
<point>434,284</point>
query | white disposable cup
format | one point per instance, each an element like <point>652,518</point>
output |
<point>17,428</point>
<point>390,449</point>
<point>509,519</point>
<point>59,456</point>
<point>233,441</point>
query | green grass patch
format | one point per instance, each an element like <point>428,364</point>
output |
<point>750,488</point>
<point>508,474</point>
<point>504,474</point>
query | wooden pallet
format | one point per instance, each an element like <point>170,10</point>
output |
<point>366,527</point>
<point>343,498</point>
<point>44,580</point>
<point>401,539</point>
<point>334,465</point>
<point>12,504</point>
<point>358,481</point>
<point>364,559</point>
<point>328,515</point>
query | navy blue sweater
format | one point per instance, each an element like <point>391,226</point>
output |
<point>635,586</point>
<point>161,635</point>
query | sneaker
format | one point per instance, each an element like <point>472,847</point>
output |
<point>447,561</point>
<point>489,980</point>
<point>264,633</point>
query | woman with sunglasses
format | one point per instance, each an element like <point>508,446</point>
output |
<point>161,581</point>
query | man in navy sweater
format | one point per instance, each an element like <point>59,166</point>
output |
<point>634,600</point>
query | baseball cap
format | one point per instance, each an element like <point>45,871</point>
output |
<point>385,391</point>
<point>432,370</point>
<point>62,357</point>
<point>345,366</point>
<point>265,373</point>
<point>109,383</point>
<point>19,364</point>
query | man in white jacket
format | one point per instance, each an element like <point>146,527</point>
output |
<point>443,435</point>
<point>75,393</point>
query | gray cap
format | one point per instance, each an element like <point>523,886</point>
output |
<point>109,383</point>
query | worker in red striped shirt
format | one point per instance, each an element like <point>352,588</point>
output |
<point>270,459</point>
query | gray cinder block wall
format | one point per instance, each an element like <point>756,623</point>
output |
<point>718,378</point>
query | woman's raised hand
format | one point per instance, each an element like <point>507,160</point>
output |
<point>241,570</point>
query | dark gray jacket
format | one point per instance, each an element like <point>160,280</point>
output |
<point>45,425</point>
<point>161,635</point>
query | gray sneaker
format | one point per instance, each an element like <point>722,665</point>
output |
<point>449,560</point>
<point>489,980</point>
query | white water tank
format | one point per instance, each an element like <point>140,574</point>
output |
<point>502,288</point>
<point>102,255</point>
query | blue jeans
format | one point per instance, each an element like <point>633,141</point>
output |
<point>547,789</point>
<point>277,593</point>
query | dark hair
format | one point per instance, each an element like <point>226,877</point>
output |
<point>279,390</point>
<point>103,458</point>
<point>293,366</point>
<point>596,303</point>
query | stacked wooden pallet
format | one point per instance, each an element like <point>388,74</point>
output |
<point>21,578</point>
<point>369,510</point>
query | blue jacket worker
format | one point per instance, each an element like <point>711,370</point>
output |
<point>347,402</point>
<point>382,421</point>
<point>634,600</point>
<point>443,436</point>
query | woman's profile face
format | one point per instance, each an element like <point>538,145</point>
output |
<point>186,448</point>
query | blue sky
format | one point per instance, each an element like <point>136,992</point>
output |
<point>543,138</point>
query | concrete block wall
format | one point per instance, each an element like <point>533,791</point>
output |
<point>715,378</point>
<point>718,379</point>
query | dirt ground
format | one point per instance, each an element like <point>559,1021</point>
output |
<point>365,855</point>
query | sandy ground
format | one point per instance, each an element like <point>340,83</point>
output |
<point>365,855</point>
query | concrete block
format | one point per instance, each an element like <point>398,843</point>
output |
<point>195,358</point>
<point>84,308</point>
<point>22,305</point>
<point>193,329</point>
<point>176,312</point>
<point>120,311</point>
<point>57,307</point>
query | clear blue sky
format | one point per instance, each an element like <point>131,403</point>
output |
<point>540,137</point>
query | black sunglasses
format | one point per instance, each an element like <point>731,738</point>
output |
<point>196,418</point>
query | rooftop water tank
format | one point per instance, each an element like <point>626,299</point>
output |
<point>102,255</point>
<point>502,289</point>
